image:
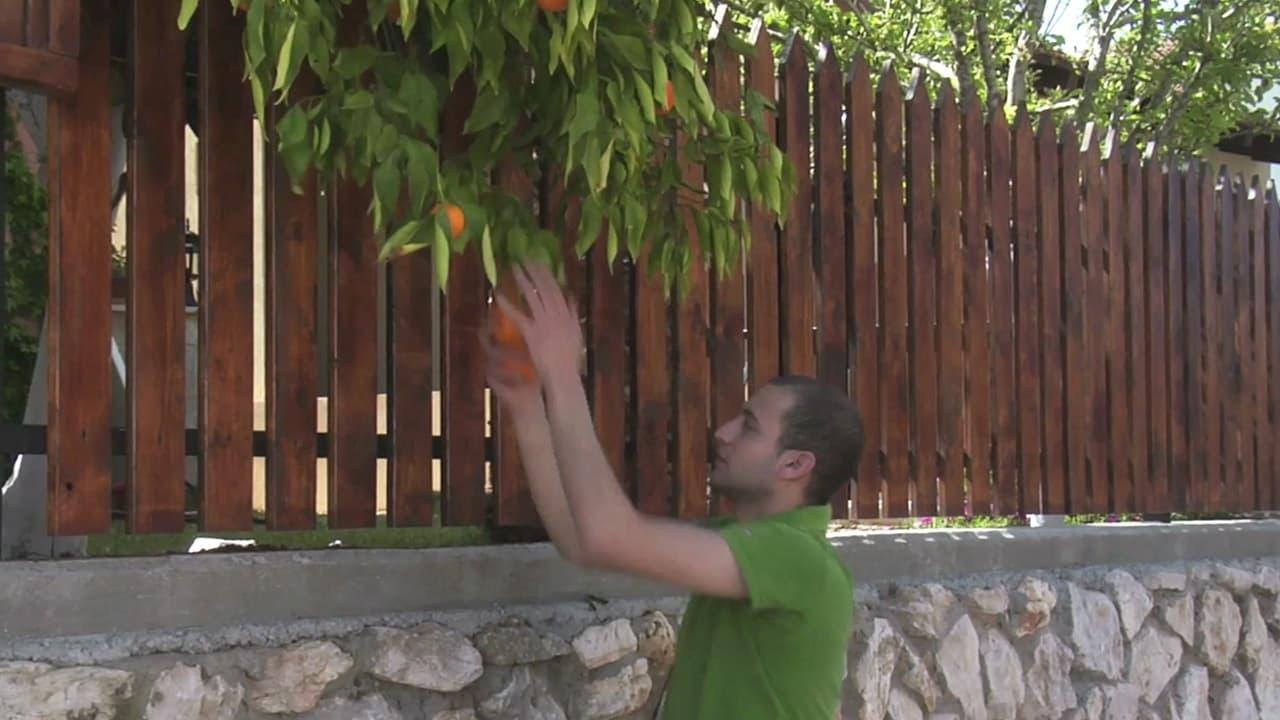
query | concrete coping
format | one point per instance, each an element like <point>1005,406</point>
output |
<point>203,593</point>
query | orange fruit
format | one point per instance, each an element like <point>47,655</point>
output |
<point>457,220</point>
<point>393,11</point>
<point>506,334</point>
<point>243,6</point>
<point>553,5</point>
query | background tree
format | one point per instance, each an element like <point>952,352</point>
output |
<point>1181,73</point>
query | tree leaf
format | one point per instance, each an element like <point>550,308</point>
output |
<point>486,253</point>
<point>286,57</point>
<point>441,257</point>
<point>660,77</point>
<point>185,12</point>
<point>399,239</point>
<point>489,108</point>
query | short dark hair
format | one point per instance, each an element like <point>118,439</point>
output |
<point>823,420</point>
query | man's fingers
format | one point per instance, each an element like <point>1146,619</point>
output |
<point>519,318</point>
<point>545,284</point>
<point>528,289</point>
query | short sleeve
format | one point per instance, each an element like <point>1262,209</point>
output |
<point>783,567</point>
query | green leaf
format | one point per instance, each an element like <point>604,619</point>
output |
<point>422,169</point>
<point>489,108</point>
<point>285,60</point>
<point>493,49</point>
<point>660,77</point>
<point>486,253</point>
<point>399,239</point>
<point>612,244</point>
<point>589,226</point>
<point>441,256</point>
<point>386,183</point>
<point>519,21</point>
<point>587,13</point>
<point>259,102</point>
<point>185,12</point>
<point>644,93</point>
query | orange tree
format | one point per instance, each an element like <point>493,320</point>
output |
<point>597,88</point>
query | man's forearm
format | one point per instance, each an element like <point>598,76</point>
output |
<point>596,501</point>
<point>533,435</point>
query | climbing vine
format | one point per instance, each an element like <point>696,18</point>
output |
<point>612,94</point>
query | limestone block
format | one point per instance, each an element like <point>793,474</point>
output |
<point>294,678</point>
<point>432,657</point>
<point>600,645</point>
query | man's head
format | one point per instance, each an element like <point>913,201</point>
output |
<point>795,436</point>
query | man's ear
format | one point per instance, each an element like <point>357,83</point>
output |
<point>796,464</point>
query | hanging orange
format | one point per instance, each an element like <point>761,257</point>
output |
<point>671,100</point>
<point>457,219</point>
<point>505,333</point>
<point>553,5</point>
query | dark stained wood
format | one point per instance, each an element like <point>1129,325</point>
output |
<point>1210,490</point>
<point>353,360</point>
<point>226,277</point>
<point>922,283</point>
<point>1226,341</point>
<point>38,71</point>
<point>1095,326</point>
<point>1193,278</point>
<point>1218,323</point>
<point>13,26</point>
<point>1258,447</point>
<point>728,351</point>
<point>156,345</point>
<point>463,388</point>
<point>977,330</point>
<point>693,382</point>
<point>950,302</point>
<point>1117,348</point>
<point>895,389</point>
<point>1075,379</point>
<point>37,22</point>
<point>79,308</point>
<point>292,264</point>
<point>763,348</point>
<point>609,311</point>
<point>1157,320</point>
<point>1241,487</point>
<point>512,500</point>
<point>410,473</point>
<point>1003,300</point>
<point>64,25</point>
<point>1138,374</point>
<point>1271,497</point>
<point>796,254</point>
<point>1026,273</point>
<point>864,285</point>
<point>353,344</point>
<point>1054,419</point>
<point>652,404</point>
<point>833,322</point>
<point>1177,344</point>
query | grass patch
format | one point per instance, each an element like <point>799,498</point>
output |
<point>120,544</point>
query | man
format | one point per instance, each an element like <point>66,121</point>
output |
<point>766,632</point>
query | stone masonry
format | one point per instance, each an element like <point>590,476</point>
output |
<point>1184,642</point>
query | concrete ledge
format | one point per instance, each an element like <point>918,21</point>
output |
<point>109,597</point>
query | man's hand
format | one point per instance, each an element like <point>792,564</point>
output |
<point>551,328</point>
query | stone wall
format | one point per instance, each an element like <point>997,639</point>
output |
<point>1177,641</point>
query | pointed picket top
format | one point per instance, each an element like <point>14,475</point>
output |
<point>1091,140</point>
<point>859,75</point>
<point>828,67</point>
<point>758,36</point>
<point>998,122</point>
<point>947,96</point>
<point>890,89</point>
<point>1271,191</point>
<point>1067,136</point>
<point>1047,133</point>
<point>793,53</point>
<point>719,15</point>
<point>1022,122</point>
<point>918,91</point>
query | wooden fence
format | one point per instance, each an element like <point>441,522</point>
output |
<point>1031,318</point>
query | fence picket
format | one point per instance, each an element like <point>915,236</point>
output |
<point>922,299</point>
<point>895,392</point>
<point>796,252</point>
<point>1004,385</point>
<point>864,285</point>
<point>950,302</point>
<point>977,289</point>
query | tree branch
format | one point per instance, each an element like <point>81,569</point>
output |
<point>982,31</point>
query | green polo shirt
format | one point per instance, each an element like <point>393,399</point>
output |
<point>780,653</point>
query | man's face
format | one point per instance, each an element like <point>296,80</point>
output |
<point>747,458</point>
